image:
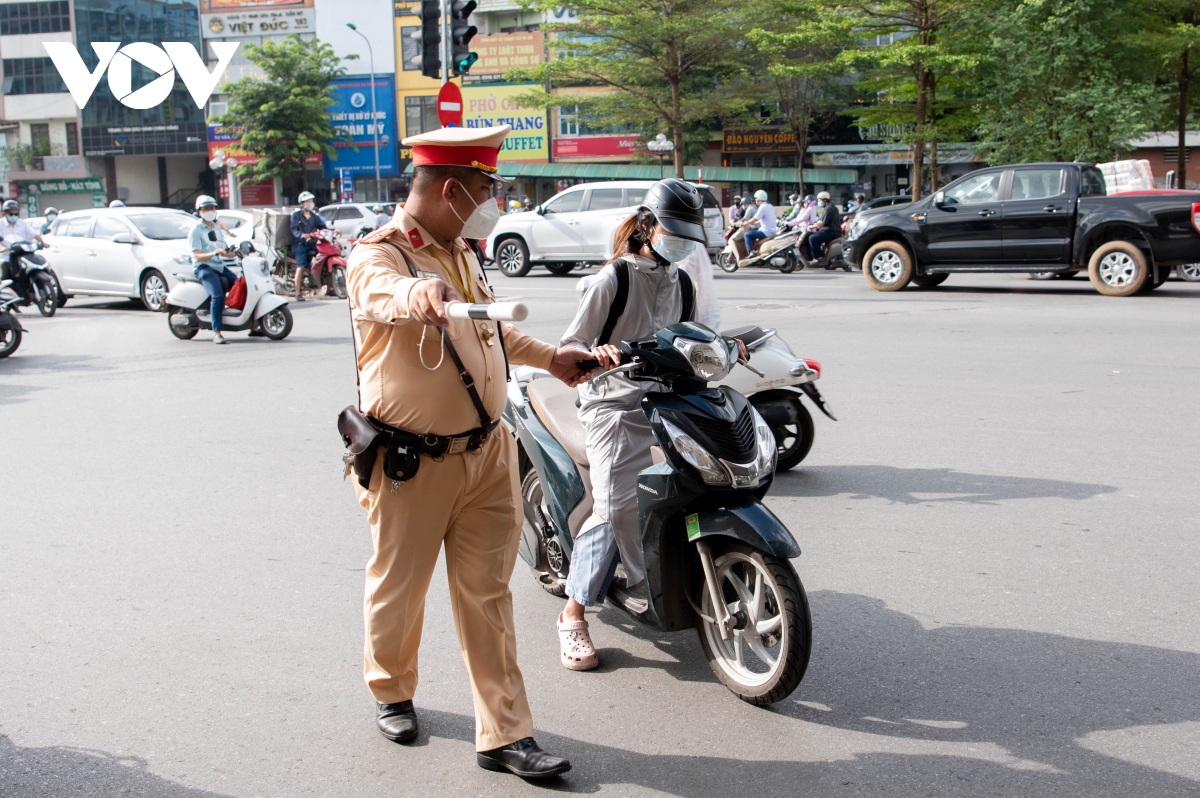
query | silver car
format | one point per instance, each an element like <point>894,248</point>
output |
<point>576,226</point>
<point>120,252</point>
<point>348,218</point>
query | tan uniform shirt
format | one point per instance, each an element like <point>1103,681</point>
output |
<point>396,388</point>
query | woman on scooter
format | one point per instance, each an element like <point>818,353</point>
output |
<point>668,225</point>
<point>208,246</point>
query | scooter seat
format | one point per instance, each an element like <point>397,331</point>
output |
<point>747,335</point>
<point>554,404</point>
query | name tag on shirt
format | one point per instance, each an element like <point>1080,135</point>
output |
<point>428,274</point>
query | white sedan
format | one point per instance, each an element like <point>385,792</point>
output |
<point>576,226</point>
<point>120,252</point>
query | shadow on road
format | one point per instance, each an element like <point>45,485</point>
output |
<point>65,772</point>
<point>1018,705</point>
<point>925,485</point>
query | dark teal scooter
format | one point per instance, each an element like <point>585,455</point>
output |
<point>716,558</point>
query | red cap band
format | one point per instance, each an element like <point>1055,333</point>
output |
<point>455,155</point>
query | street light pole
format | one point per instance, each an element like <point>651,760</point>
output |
<point>661,147</point>
<point>374,120</point>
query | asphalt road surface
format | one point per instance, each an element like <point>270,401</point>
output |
<point>999,536</point>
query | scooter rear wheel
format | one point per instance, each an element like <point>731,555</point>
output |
<point>765,660</point>
<point>188,332</point>
<point>553,563</point>
<point>337,282</point>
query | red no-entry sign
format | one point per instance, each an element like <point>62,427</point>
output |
<point>450,105</point>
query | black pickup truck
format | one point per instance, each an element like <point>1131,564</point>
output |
<point>1047,217</point>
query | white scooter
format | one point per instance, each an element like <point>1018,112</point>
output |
<point>773,381</point>
<point>265,311</point>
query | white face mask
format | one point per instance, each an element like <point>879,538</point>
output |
<point>50,217</point>
<point>308,206</point>
<point>672,248</point>
<point>208,216</point>
<point>482,220</point>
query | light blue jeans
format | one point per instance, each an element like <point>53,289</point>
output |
<point>593,563</point>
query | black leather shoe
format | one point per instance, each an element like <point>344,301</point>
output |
<point>398,722</point>
<point>525,759</point>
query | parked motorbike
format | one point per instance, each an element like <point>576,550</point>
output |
<point>10,328</point>
<point>36,285</point>
<point>776,252</point>
<point>773,382</point>
<point>716,558</point>
<point>266,311</point>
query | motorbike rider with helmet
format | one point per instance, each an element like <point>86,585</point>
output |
<point>208,245</point>
<point>381,215</point>
<point>304,223</point>
<point>14,229</point>
<point>827,228</point>
<point>51,216</point>
<point>763,223</point>
<point>667,227</point>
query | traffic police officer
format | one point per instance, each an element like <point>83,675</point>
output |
<point>399,279</point>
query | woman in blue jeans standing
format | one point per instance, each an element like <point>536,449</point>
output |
<point>208,245</point>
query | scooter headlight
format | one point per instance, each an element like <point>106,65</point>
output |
<point>710,468</point>
<point>710,360</point>
<point>767,448</point>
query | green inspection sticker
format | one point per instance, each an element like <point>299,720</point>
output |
<point>693,526</point>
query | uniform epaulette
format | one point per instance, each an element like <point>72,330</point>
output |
<point>375,236</point>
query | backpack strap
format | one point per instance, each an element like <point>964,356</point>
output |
<point>621,269</point>
<point>687,293</point>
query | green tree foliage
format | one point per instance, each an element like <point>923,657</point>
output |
<point>1173,33</point>
<point>285,112</point>
<point>803,78</point>
<point>1063,80</point>
<point>913,69</point>
<point>660,64</point>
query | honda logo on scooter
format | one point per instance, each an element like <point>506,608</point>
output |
<point>165,61</point>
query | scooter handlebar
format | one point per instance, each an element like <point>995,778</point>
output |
<point>497,311</point>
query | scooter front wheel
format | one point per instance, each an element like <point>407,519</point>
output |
<point>766,654</point>
<point>727,262</point>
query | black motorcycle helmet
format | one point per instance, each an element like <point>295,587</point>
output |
<point>677,206</point>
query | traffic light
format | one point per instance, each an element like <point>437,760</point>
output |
<point>430,37</point>
<point>461,33</point>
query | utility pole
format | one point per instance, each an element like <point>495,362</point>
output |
<point>445,31</point>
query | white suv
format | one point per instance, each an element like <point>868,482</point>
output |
<point>576,227</point>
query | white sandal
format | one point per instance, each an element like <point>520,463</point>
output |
<point>578,653</point>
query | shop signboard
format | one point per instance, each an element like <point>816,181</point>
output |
<point>888,157</point>
<point>257,194</point>
<point>494,104</point>
<point>596,146</point>
<point>501,52</point>
<point>757,139</point>
<point>239,19</point>
<point>229,139</point>
<point>164,139</point>
<point>78,185</point>
<point>351,114</point>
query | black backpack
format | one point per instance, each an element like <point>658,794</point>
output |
<point>621,267</point>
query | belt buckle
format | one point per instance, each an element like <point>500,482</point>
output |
<point>458,445</point>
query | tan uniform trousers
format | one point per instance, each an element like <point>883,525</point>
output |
<point>470,503</point>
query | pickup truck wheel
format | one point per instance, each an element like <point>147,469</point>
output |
<point>512,257</point>
<point>888,266</point>
<point>929,280</point>
<point>1189,272</point>
<point>1118,268</point>
<point>560,268</point>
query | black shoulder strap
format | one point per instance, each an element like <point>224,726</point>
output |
<point>464,375</point>
<point>687,293</point>
<point>621,268</point>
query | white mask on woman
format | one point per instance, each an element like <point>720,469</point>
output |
<point>482,220</point>
<point>672,248</point>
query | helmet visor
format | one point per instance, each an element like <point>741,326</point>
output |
<point>683,229</point>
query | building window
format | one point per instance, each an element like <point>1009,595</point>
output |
<point>420,115</point>
<point>72,138</point>
<point>50,17</point>
<point>573,123</point>
<point>410,48</point>
<point>31,76</point>
<point>1171,155</point>
<point>39,138</point>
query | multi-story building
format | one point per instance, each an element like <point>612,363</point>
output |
<point>155,156</point>
<point>44,162</point>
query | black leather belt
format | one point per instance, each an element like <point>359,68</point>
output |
<point>435,445</point>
